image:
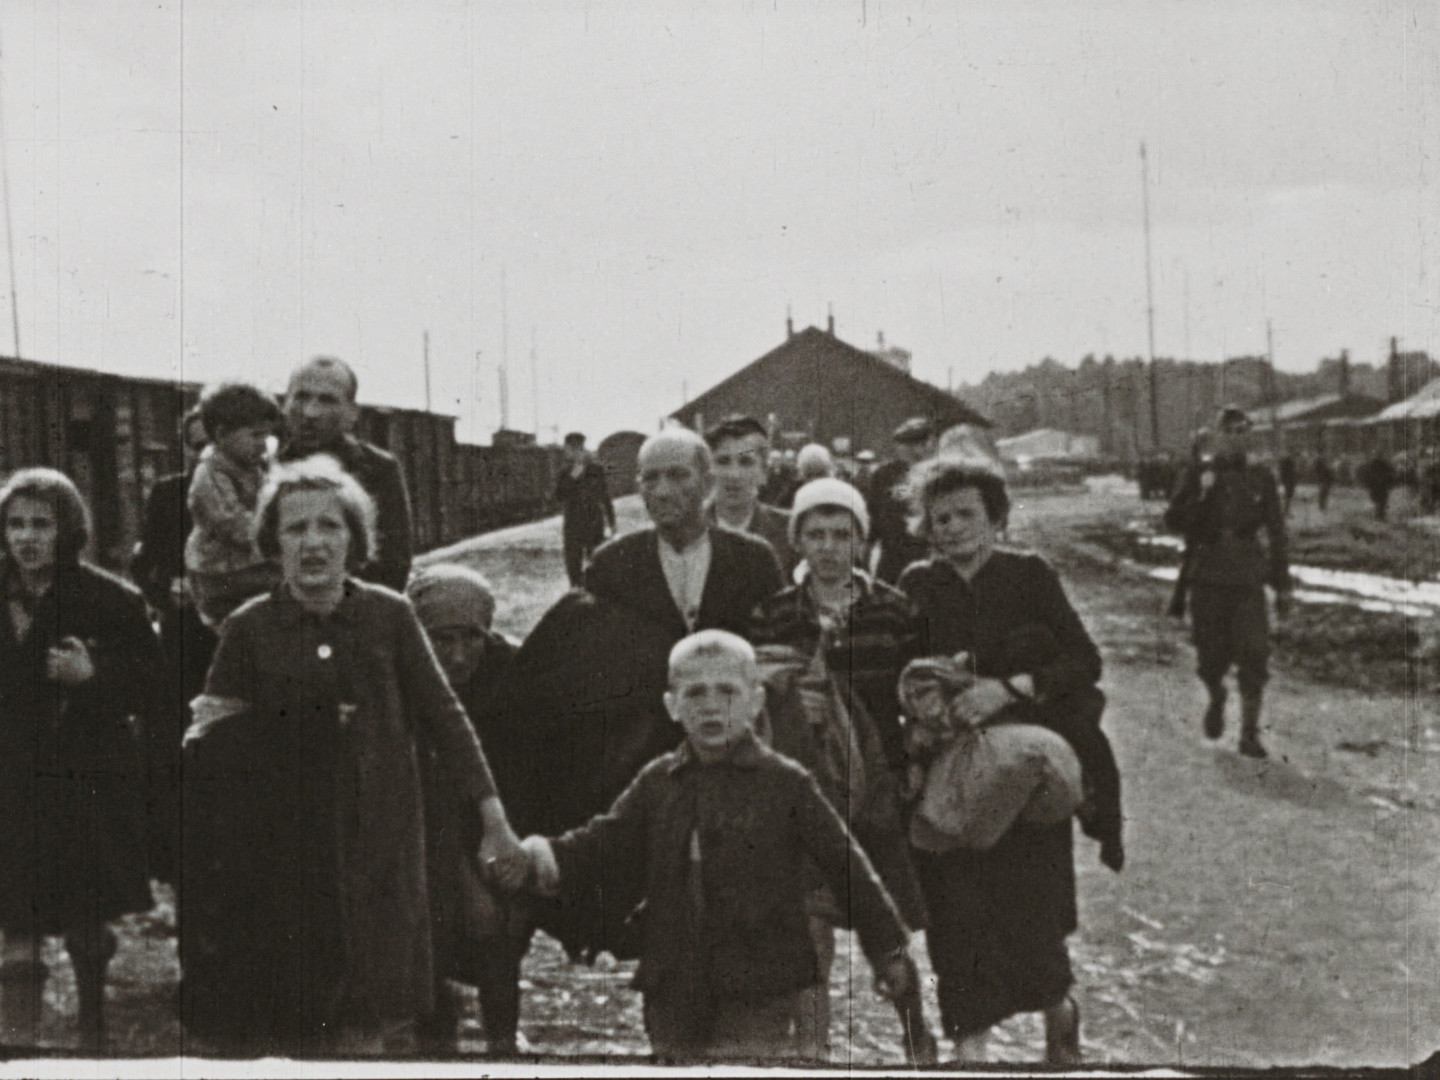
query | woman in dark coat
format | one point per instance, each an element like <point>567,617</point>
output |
<point>78,664</point>
<point>999,918</point>
<point>480,936</point>
<point>306,920</point>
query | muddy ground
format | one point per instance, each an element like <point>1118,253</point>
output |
<point>1277,912</point>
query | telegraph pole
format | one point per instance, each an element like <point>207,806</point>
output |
<point>1150,304</point>
<point>534,385</point>
<point>1271,389</point>
<point>10,226</point>
<point>425,348</point>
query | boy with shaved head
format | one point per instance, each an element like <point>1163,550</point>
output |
<point>713,838</point>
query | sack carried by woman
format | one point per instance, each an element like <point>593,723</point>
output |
<point>983,779</point>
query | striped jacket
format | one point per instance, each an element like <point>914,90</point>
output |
<point>867,652</point>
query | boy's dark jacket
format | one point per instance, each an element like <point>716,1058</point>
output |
<point>758,815</point>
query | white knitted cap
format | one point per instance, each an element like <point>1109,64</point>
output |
<point>829,492</point>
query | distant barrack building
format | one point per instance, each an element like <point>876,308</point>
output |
<point>814,387</point>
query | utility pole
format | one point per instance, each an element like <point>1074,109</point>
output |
<point>425,349</point>
<point>534,385</point>
<point>504,396</point>
<point>1271,389</point>
<point>475,398</point>
<point>504,353</point>
<point>10,228</point>
<point>1188,355</point>
<point>1150,304</point>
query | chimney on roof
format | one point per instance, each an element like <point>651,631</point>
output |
<point>1344,372</point>
<point>830,319</point>
<point>880,339</point>
<point>789,323</point>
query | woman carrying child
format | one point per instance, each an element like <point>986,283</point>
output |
<point>306,920</point>
<point>999,917</point>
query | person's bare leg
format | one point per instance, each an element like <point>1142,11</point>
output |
<point>974,1047</point>
<point>1062,1032</point>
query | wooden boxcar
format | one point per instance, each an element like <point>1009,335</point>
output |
<point>116,435</point>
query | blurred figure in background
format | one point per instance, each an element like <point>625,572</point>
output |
<point>159,570</point>
<point>1324,481</point>
<point>1378,477</point>
<point>915,440</point>
<point>1220,506</point>
<point>1289,479</point>
<point>584,497</point>
<point>814,463</point>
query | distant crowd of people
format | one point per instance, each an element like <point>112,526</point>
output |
<point>1379,475</point>
<point>791,703</point>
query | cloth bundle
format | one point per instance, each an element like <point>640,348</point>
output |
<point>980,779</point>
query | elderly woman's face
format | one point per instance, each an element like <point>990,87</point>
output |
<point>960,529</point>
<point>314,540</point>
<point>32,532</point>
<point>459,650</point>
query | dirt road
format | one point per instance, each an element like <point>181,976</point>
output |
<point>1275,912</point>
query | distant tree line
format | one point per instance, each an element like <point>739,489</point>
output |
<point>1110,398</point>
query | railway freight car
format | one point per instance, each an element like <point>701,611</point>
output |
<point>116,435</point>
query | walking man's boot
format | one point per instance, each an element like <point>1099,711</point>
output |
<point>1215,713</point>
<point>1250,727</point>
<point>22,996</point>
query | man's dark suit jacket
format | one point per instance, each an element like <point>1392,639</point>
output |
<point>380,475</point>
<point>743,572</point>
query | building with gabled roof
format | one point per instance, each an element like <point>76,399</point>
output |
<point>815,387</point>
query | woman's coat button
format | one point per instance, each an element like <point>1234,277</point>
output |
<point>324,652</point>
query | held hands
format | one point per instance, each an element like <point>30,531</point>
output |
<point>69,662</point>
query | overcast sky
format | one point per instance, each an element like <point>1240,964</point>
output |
<point>228,192</point>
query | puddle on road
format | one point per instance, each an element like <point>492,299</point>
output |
<point>1366,592</point>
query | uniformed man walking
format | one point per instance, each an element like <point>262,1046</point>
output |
<point>915,440</point>
<point>1220,506</point>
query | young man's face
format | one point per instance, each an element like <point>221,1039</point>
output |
<point>716,699</point>
<point>828,540</point>
<point>740,468</point>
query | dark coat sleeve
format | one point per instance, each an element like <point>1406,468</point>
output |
<point>609,844</point>
<point>1273,515</point>
<point>606,574</point>
<point>847,871</point>
<point>1076,665</point>
<point>1183,514</point>
<point>161,554</point>
<point>392,506</point>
